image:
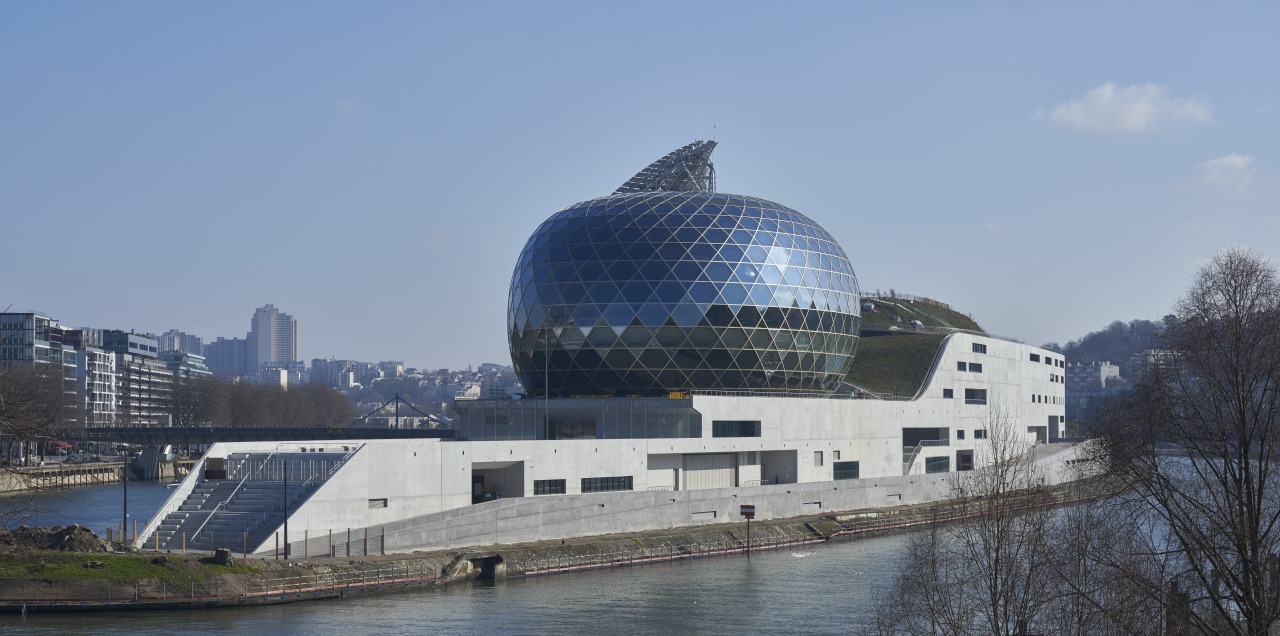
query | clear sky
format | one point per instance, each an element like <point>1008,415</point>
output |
<point>373,169</point>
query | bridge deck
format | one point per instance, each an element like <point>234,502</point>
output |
<point>151,435</point>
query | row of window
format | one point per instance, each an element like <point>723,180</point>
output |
<point>1057,362</point>
<point>1053,377</point>
<point>979,348</point>
<point>735,428</point>
<point>548,486</point>
<point>589,484</point>
<point>1045,399</point>
<point>971,367</point>
<point>978,433</point>
<point>606,484</point>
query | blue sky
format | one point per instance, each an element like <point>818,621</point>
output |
<point>374,168</point>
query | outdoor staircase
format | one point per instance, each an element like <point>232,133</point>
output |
<point>244,509</point>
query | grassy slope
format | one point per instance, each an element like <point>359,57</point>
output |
<point>894,365</point>
<point>929,314</point>
<point>65,566</point>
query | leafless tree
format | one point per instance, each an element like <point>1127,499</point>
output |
<point>1217,398</point>
<point>191,401</point>
<point>34,408</point>
<point>984,573</point>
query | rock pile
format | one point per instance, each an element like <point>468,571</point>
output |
<point>61,538</point>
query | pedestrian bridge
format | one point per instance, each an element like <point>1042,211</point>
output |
<point>157,435</point>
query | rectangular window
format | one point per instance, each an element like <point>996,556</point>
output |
<point>979,433</point>
<point>548,487</point>
<point>960,366</point>
<point>948,393</point>
<point>979,348</point>
<point>975,396</point>
<point>1035,357</point>
<point>1048,361</point>
<point>377,503</point>
<point>959,434</point>
<point>567,429</point>
<point>817,458</point>
<point>606,484</point>
<point>937,465</point>
<point>735,428</point>
<point>974,367</point>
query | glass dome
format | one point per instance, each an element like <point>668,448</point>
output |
<point>657,292</point>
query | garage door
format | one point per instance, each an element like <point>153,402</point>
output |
<point>710,471</point>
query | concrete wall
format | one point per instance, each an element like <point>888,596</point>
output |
<point>559,516</point>
<point>799,441</point>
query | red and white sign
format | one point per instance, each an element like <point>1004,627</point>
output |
<point>748,511</point>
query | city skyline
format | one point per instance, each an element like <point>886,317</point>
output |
<point>376,170</point>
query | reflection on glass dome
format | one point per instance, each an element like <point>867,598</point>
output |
<point>655,292</point>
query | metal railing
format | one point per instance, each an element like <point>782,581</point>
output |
<point>781,394</point>
<point>302,490</point>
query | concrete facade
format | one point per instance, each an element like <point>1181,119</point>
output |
<point>792,455</point>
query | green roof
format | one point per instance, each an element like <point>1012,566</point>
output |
<point>899,312</point>
<point>894,365</point>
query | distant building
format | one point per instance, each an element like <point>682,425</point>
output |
<point>97,381</point>
<point>343,374</point>
<point>276,376</point>
<point>185,366</point>
<point>273,337</point>
<point>1091,376</point>
<point>145,382</point>
<point>1146,361</point>
<point>174,340</point>
<point>28,338</point>
<point>227,357</point>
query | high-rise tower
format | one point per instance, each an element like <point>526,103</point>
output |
<point>273,338</point>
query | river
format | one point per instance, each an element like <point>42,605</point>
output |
<point>821,589</point>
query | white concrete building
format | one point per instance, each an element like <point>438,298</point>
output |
<point>789,455</point>
<point>687,351</point>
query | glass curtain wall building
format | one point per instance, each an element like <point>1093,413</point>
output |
<point>648,293</point>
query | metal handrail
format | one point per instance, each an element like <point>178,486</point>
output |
<point>229,498</point>
<point>302,489</point>
<point>909,462</point>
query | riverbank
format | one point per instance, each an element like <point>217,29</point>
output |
<point>57,476</point>
<point>44,581</point>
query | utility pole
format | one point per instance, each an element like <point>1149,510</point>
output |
<point>286,508</point>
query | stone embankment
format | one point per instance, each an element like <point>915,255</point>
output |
<point>57,476</point>
<point>97,576</point>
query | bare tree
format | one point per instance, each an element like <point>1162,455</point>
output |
<point>34,407</point>
<point>191,401</point>
<point>986,572</point>
<point>1218,400</point>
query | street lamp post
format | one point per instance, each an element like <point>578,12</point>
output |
<point>124,479</point>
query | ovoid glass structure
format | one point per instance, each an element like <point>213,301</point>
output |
<point>649,293</point>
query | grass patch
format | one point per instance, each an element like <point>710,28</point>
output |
<point>62,566</point>
<point>894,365</point>
<point>929,314</point>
